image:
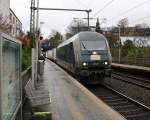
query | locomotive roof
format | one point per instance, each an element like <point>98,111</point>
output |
<point>83,36</point>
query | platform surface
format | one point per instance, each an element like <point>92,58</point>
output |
<point>72,101</point>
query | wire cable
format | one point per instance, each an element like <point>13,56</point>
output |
<point>129,10</point>
<point>106,5</point>
<point>81,4</point>
<point>140,19</point>
<point>91,3</point>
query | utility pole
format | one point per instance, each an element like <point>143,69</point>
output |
<point>88,19</point>
<point>32,17</point>
<point>32,22</point>
<point>37,42</point>
<point>33,35</point>
<point>119,58</point>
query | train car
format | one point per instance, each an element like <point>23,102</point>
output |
<point>86,55</point>
<point>51,54</point>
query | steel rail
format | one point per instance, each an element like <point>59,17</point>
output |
<point>132,77</point>
<point>132,100</point>
<point>125,105</point>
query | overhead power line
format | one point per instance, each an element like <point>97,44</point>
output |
<point>90,3</point>
<point>106,5</point>
<point>129,10</point>
<point>140,19</point>
<point>81,3</point>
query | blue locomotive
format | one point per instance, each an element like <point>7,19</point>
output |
<point>86,55</point>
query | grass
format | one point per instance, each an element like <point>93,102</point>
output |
<point>42,114</point>
<point>26,58</point>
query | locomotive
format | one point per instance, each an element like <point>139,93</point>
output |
<point>86,55</point>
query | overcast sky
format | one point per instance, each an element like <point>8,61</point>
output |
<point>137,11</point>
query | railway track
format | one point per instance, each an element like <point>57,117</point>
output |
<point>127,107</point>
<point>142,82</point>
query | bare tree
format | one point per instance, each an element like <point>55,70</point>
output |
<point>55,38</point>
<point>76,26</point>
<point>123,23</point>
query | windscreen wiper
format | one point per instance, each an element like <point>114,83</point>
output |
<point>83,45</point>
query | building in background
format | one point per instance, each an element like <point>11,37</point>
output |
<point>4,8</point>
<point>4,16</point>
<point>9,21</point>
<point>15,25</point>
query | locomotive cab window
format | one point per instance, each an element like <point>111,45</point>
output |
<point>93,45</point>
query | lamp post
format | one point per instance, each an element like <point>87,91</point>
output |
<point>41,23</point>
<point>40,38</point>
<point>119,44</point>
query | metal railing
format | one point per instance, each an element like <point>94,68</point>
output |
<point>25,76</point>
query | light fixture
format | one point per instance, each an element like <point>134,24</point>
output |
<point>84,64</point>
<point>94,52</point>
<point>106,63</point>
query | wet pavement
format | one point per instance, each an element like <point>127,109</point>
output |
<point>72,101</point>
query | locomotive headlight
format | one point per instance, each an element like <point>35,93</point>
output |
<point>84,64</point>
<point>94,52</point>
<point>106,63</point>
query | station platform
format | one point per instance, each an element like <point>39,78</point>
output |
<point>71,100</point>
<point>132,67</point>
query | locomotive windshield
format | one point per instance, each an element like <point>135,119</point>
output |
<point>93,45</point>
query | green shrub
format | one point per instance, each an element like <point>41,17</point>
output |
<point>147,52</point>
<point>26,58</point>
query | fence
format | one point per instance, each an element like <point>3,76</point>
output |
<point>133,61</point>
<point>25,76</point>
